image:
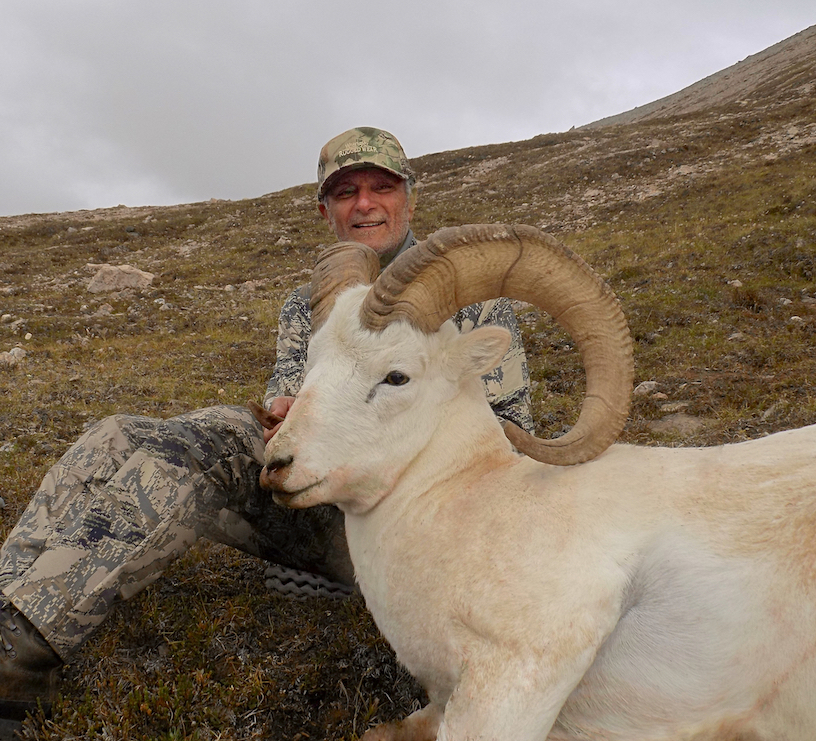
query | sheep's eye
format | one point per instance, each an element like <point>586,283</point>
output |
<point>395,378</point>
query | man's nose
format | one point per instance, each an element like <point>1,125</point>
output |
<point>365,199</point>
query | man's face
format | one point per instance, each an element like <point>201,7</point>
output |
<point>371,206</point>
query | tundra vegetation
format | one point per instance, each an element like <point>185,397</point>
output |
<point>704,225</point>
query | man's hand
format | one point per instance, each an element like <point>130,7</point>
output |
<point>280,407</point>
<point>272,420</point>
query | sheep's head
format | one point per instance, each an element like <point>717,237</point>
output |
<point>370,402</point>
<point>356,421</point>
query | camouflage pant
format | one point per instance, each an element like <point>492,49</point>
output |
<point>134,493</point>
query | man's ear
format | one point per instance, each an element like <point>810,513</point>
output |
<point>412,199</point>
<point>326,214</point>
<point>479,351</point>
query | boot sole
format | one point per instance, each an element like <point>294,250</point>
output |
<point>302,584</point>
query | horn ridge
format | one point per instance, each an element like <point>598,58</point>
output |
<point>458,266</point>
<point>339,266</point>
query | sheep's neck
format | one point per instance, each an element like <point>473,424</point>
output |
<point>455,451</point>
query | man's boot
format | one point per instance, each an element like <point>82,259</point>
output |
<point>28,670</point>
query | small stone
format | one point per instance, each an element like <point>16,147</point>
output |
<point>683,424</point>
<point>646,387</point>
<point>675,406</point>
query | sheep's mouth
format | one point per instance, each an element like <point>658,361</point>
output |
<point>290,498</point>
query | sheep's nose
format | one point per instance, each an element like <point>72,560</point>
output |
<point>278,463</point>
<point>271,475</point>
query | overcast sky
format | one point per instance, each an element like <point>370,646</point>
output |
<point>155,102</point>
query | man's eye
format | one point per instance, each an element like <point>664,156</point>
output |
<point>395,378</point>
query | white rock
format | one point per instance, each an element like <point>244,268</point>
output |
<point>646,387</point>
<point>118,277</point>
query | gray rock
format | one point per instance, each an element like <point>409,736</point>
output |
<point>7,360</point>
<point>118,277</point>
<point>682,424</point>
<point>646,387</point>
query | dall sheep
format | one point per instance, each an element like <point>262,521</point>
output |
<point>604,591</point>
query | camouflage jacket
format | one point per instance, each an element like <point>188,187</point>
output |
<point>507,386</point>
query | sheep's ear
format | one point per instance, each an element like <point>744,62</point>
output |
<point>479,351</point>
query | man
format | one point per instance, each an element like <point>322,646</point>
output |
<point>134,493</point>
<point>366,194</point>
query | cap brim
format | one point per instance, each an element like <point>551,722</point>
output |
<point>356,166</point>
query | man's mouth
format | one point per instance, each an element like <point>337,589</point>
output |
<point>368,224</point>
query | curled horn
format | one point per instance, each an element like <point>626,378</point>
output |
<point>459,266</point>
<point>339,266</point>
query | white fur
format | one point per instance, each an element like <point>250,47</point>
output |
<point>652,593</point>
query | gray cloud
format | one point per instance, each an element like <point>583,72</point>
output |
<point>153,103</point>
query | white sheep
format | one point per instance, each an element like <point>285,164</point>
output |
<point>647,593</point>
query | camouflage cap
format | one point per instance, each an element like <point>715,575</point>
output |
<point>361,147</point>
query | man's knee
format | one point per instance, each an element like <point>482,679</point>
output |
<point>215,433</point>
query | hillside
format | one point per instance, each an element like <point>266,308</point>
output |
<point>782,70</point>
<point>701,214</point>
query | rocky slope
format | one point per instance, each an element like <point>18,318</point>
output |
<point>784,69</point>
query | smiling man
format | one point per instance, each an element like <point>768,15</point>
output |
<point>134,493</point>
<point>366,190</point>
<point>366,193</point>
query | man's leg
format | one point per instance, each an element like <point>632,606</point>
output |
<point>27,663</point>
<point>131,496</point>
